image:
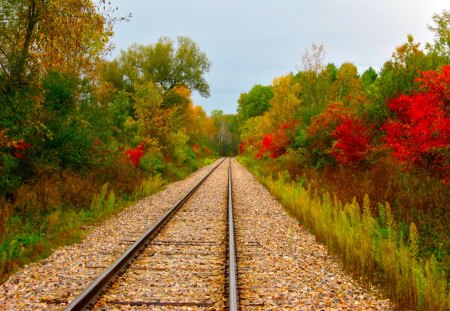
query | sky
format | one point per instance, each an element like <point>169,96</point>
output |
<point>252,42</point>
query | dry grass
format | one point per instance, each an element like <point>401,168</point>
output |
<point>375,247</point>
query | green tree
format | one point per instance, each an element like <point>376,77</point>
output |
<point>315,79</point>
<point>368,78</point>
<point>441,30</point>
<point>71,123</point>
<point>167,64</point>
<point>255,102</point>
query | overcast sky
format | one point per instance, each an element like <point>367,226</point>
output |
<point>253,41</point>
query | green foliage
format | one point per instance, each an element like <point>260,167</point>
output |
<point>72,125</point>
<point>59,93</point>
<point>180,150</point>
<point>119,110</point>
<point>9,178</point>
<point>167,64</point>
<point>255,102</point>
<point>18,113</point>
<point>441,30</point>
<point>368,78</point>
<point>315,78</point>
<point>153,162</point>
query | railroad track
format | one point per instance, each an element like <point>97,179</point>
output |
<point>186,260</point>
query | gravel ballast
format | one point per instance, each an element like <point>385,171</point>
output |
<point>280,264</point>
<point>184,266</point>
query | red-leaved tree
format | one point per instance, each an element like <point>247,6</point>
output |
<point>135,154</point>
<point>420,132</point>
<point>275,144</point>
<point>353,141</point>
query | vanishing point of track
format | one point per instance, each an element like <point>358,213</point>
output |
<point>187,259</point>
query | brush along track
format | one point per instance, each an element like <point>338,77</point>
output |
<point>184,265</point>
<point>280,265</point>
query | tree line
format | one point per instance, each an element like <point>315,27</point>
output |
<point>383,133</point>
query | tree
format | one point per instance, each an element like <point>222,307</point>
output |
<point>396,77</point>
<point>275,144</point>
<point>312,60</point>
<point>38,36</point>
<point>167,65</point>
<point>316,140</point>
<point>420,132</point>
<point>353,141</point>
<point>199,127</point>
<point>368,78</point>
<point>285,102</point>
<point>154,120</point>
<point>255,102</point>
<point>398,74</point>
<point>441,32</point>
<point>315,77</point>
<point>347,86</point>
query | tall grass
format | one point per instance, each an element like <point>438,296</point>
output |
<point>150,185</point>
<point>374,248</point>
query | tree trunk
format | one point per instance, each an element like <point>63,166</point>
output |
<point>32,18</point>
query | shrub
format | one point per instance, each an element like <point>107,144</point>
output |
<point>9,179</point>
<point>353,141</point>
<point>135,154</point>
<point>275,144</point>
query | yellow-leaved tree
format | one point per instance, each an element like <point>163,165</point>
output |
<point>38,36</point>
<point>285,103</point>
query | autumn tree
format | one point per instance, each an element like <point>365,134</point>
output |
<point>199,126</point>
<point>347,86</point>
<point>316,141</point>
<point>419,134</point>
<point>285,103</point>
<point>397,77</point>
<point>38,36</point>
<point>398,74</point>
<point>314,76</point>
<point>352,143</point>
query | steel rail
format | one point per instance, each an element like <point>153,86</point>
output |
<point>232,269</point>
<point>88,297</point>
